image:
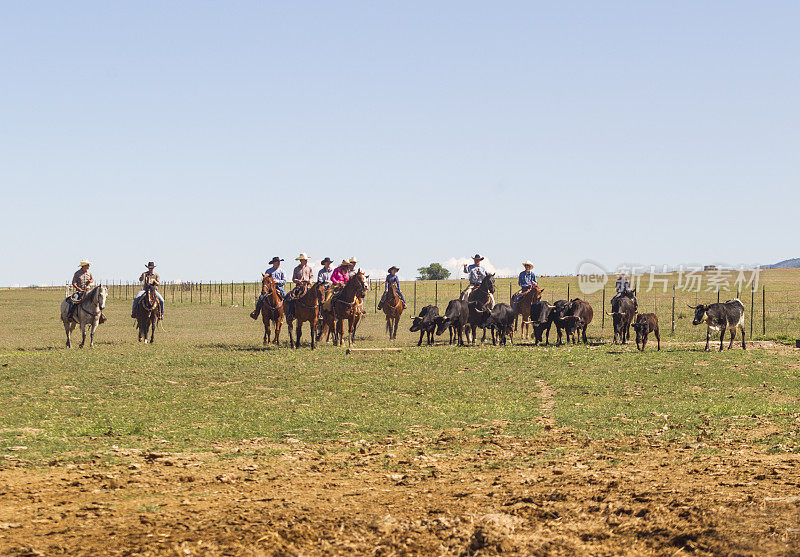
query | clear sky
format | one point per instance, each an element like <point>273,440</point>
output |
<point>210,136</point>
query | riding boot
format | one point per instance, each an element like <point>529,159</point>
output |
<point>255,312</point>
<point>102,318</point>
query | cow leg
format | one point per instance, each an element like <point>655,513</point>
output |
<point>585,339</point>
<point>460,333</point>
<point>743,345</point>
<point>708,337</point>
<point>558,330</point>
<point>421,333</point>
<point>733,334</point>
<point>722,337</point>
<point>658,337</point>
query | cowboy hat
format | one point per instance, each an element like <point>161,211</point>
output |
<point>275,259</point>
<point>326,260</point>
<point>84,262</point>
<point>478,257</point>
<point>150,265</point>
<point>527,263</point>
<point>302,256</point>
<point>344,263</point>
<point>352,261</point>
<point>393,268</point>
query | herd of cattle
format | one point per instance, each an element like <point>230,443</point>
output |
<point>572,317</point>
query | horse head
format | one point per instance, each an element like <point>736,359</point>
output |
<point>102,294</point>
<point>488,280</point>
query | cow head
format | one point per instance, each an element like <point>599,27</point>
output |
<point>416,324</point>
<point>699,314</point>
<point>640,326</point>
<point>442,323</point>
<point>561,309</point>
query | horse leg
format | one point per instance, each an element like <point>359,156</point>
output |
<point>289,328</point>
<point>68,328</point>
<point>278,324</point>
<point>83,334</point>
<point>313,330</point>
<point>299,334</point>
<point>396,324</point>
<point>265,319</point>
<point>339,331</point>
<point>153,329</point>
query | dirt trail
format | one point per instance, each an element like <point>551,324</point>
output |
<point>547,402</point>
<point>419,496</point>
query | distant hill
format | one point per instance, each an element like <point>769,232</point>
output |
<point>786,264</point>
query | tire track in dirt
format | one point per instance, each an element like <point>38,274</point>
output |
<point>547,402</point>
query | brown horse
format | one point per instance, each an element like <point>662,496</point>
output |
<point>346,306</point>
<point>148,314</point>
<point>272,307</point>
<point>306,308</point>
<point>393,308</point>
<point>533,295</point>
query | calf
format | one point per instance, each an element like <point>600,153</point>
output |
<point>425,323</point>
<point>623,310</point>
<point>542,315</point>
<point>454,320</point>
<point>645,324</point>
<point>501,320</point>
<point>720,317</point>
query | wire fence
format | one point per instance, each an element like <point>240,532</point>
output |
<point>772,311</point>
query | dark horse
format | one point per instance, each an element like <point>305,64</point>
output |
<point>393,308</point>
<point>345,306</point>
<point>148,314</point>
<point>481,295</point>
<point>272,308</point>
<point>306,308</point>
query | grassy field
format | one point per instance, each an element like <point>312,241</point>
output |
<point>206,443</point>
<point>208,379</point>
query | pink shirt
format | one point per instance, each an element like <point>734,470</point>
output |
<point>340,276</point>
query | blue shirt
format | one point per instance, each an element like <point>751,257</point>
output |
<point>390,278</point>
<point>476,274</point>
<point>527,279</point>
<point>324,275</point>
<point>277,275</point>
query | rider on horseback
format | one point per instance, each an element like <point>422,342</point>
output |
<point>301,277</point>
<point>280,280</point>
<point>526,281</point>
<point>149,278</point>
<point>81,281</point>
<point>623,288</point>
<point>476,273</point>
<point>391,278</point>
<point>324,274</point>
<point>341,275</point>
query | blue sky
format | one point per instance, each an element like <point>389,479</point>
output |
<point>211,136</point>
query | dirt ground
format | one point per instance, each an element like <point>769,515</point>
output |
<point>553,495</point>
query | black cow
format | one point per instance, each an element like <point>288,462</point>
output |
<point>574,317</point>
<point>425,323</point>
<point>623,310</point>
<point>720,317</point>
<point>478,317</point>
<point>542,315</point>
<point>645,324</point>
<point>501,321</point>
<point>455,320</point>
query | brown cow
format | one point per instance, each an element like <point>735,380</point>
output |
<point>645,324</point>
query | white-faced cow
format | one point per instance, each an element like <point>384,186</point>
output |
<point>425,323</point>
<point>645,324</point>
<point>721,317</point>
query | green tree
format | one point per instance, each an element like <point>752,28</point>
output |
<point>434,271</point>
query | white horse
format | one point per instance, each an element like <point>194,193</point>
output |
<point>87,313</point>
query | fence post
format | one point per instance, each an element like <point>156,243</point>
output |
<point>603,313</point>
<point>764,310</point>
<point>568,291</point>
<point>752,305</point>
<point>436,293</point>
<point>673,309</point>
<point>510,292</point>
<point>415,297</point>
<point>717,294</point>
<point>220,293</point>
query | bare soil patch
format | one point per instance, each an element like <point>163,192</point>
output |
<point>451,494</point>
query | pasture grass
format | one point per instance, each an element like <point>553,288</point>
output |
<point>208,381</point>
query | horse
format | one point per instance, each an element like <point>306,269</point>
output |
<point>87,312</point>
<point>148,314</point>
<point>393,308</point>
<point>533,295</point>
<point>482,294</point>
<point>306,308</point>
<point>271,308</point>
<point>346,306</point>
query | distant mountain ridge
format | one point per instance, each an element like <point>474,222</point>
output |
<point>785,264</point>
